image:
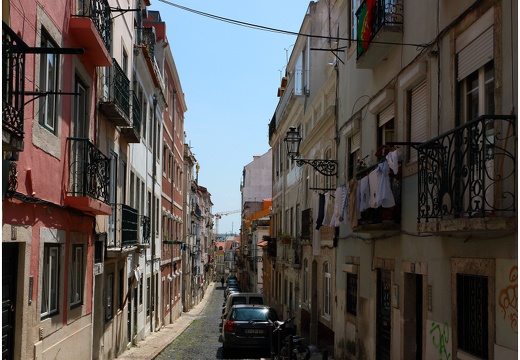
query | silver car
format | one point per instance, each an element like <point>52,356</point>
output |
<point>247,326</point>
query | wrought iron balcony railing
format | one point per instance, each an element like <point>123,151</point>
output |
<point>13,87</point>
<point>129,226</point>
<point>133,133</point>
<point>89,171</point>
<point>136,113</point>
<point>99,12</point>
<point>469,171</point>
<point>145,227</point>
<point>116,96</point>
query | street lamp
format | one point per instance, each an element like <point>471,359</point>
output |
<point>323,166</point>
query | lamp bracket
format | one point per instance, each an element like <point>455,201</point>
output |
<point>324,167</point>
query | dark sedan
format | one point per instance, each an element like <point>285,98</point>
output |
<point>247,326</point>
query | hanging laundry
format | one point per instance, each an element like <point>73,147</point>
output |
<point>385,197</point>
<point>393,160</point>
<point>340,206</point>
<point>364,194</point>
<point>353,203</point>
<point>321,211</point>
<point>329,208</point>
<point>373,185</point>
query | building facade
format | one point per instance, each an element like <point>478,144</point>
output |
<point>418,111</point>
<point>83,248</point>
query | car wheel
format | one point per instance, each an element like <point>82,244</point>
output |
<point>226,351</point>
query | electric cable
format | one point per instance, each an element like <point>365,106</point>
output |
<point>286,32</point>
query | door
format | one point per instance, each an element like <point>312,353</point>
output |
<point>413,316</point>
<point>9,278</point>
<point>129,310</point>
<point>383,319</point>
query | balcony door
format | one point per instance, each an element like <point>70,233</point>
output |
<point>80,130</point>
<point>476,83</point>
<point>112,219</point>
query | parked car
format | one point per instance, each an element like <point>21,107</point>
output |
<point>242,298</point>
<point>248,326</point>
<point>230,290</point>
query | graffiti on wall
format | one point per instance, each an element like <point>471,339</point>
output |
<point>508,299</point>
<point>440,339</point>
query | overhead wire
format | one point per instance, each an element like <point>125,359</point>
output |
<point>286,32</point>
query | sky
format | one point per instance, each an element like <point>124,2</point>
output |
<point>230,75</point>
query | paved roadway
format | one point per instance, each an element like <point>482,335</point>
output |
<point>200,339</point>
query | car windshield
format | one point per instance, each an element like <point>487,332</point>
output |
<point>253,314</point>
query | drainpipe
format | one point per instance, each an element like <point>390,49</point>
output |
<point>154,167</point>
<point>171,206</point>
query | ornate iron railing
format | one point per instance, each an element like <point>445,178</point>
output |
<point>118,87</point>
<point>148,37</point>
<point>13,81</point>
<point>469,171</point>
<point>89,170</point>
<point>129,226</point>
<point>145,229</point>
<point>383,13</point>
<point>99,12</point>
<point>136,113</point>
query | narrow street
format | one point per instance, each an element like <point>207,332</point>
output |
<point>200,340</point>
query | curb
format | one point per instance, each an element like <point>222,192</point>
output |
<point>156,342</point>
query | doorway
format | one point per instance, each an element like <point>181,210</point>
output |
<point>413,316</point>
<point>9,279</point>
<point>383,315</point>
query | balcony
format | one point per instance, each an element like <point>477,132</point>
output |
<point>115,104</point>
<point>133,133</point>
<point>381,219</point>
<point>128,226</point>
<point>89,171</point>
<point>380,26</point>
<point>91,29</point>
<point>144,231</point>
<point>467,178</point>
<point>149,40</point>
<point>13,89</point>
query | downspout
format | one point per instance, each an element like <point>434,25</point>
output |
<point>171,203</point>
<point>154,170</point>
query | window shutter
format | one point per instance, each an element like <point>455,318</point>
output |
<point>386,115</point>
<point>355,143</point>
<point>418,117</point>
<point>476,54</point>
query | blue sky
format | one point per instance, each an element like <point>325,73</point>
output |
<point>230,75</point>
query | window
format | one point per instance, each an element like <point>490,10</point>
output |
<point>477,93</point>
<point>81,117</point>
<point>121,288</point>
<point>385,120</point>
<point>49,75</point>
<point>354,6</point>
<point>352,286</point>
<point>472,314</point>
<point>417,113</point>
<point>76,276</point>
<point>50,280</point>
<point>354,154</point>
<point>326,289</point>
<point>109,296</point>
<point>306,280</point>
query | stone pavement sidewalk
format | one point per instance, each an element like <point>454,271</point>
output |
<point>153,344</point>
